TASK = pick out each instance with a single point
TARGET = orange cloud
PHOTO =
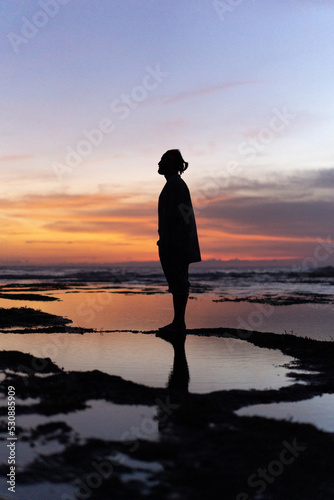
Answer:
(11, 158)
(113, 227)
(102, 227)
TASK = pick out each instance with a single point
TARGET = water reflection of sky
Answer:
(102, 310)
(318, 410)
(104, 420)
(101, 420)
(214, 363)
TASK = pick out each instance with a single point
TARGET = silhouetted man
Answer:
(178, 241)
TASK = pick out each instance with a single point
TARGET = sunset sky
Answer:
(93, 92)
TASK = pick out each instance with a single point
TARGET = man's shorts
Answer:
(176, 273)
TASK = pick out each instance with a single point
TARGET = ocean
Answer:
(249, 283)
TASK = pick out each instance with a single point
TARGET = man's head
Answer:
(172, 163)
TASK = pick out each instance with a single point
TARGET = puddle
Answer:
(223, 363)
(214, 363)
(104, 420)
(141, 470)
(50, 491)
(20, 402)
(25, 453)
(101, 309)
(318, 411)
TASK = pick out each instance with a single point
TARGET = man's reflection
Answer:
(178, 381)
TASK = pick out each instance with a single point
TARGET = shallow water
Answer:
(318, 411)
(101, 420)
(101, 309)
(214, 363)
(104, 420)
(49, 491)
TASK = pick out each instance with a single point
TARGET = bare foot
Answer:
(173, 328)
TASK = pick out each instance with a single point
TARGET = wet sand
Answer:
(193, 446)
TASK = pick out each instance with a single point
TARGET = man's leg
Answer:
(176, 273)
(180, 304)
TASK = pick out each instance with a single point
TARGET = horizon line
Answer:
(275, 262)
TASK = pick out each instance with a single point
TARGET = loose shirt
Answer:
(177, 226)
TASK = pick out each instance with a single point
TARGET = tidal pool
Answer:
(318, 410)
(214, 363)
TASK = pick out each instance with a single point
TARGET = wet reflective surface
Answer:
(102, 309)
(202, 365)
(318, 410)
(214, 363)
